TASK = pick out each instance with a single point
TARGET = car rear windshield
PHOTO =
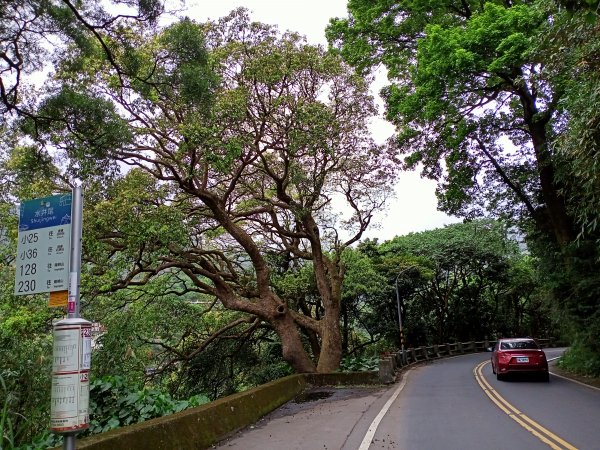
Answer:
(518, 345)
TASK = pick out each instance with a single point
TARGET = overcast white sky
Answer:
(414, 205)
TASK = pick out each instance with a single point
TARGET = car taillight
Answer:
(503, 357)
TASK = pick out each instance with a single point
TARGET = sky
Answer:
(413, 207)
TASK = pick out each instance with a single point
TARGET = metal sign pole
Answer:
(76, 234)
(69, 439)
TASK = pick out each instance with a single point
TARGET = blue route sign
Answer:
(44, 247)
(45, 212)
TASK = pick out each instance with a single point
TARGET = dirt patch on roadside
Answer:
(316, 396)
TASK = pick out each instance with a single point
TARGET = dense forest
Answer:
(230, 175)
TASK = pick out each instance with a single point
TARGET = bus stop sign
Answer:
(44, 247)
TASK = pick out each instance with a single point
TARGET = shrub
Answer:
(359, 364)
(581, 360)
(114, 404)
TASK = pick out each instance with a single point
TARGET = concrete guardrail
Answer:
(205, 425)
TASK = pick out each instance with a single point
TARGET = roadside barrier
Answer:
(389, 363)
(205, 425)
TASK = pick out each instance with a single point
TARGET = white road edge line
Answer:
(575, 381)
(366, 442)
(571, 379)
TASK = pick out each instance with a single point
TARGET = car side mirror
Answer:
(489, 349)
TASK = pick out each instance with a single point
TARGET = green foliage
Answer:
(150, 9)
(33, 172)
(268, 367)
(581, 360)
(83, 28)
(228, 366)
(190, 72)
(367, 311)
(498, 102)
(450, 95)
(6, 427)
(362, 278)
(115, 403)
(42, 441)
(472, 103)
(463, 282)
(470, 283)
(25, 349)
(359, 363)
(574, 289)
(85, 127)
(493, 41)
(230, 127)
(570, 49)
(141, 220)
(146, 329)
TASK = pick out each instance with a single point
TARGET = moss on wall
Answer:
(201, 427)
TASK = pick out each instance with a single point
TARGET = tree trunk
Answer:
(311, 334)
(293, 351)
(556, 208)
(557, 218)
(331, 342)
(328, 276)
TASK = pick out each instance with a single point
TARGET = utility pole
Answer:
(401, 328)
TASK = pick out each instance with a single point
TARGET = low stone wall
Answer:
(201, 427)
(342, 378)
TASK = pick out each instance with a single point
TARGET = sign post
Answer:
(49, 260)
(80, 379)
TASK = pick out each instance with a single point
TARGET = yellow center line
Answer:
(545, 435)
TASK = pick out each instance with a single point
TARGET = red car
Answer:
(519, 356)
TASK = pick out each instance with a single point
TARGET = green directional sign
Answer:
(44, 246)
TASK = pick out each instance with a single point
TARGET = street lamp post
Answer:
(400, 313)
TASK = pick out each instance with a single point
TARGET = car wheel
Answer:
(546, 377)
(493, 369)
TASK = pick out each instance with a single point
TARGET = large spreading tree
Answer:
(242, 143)
(496, 101)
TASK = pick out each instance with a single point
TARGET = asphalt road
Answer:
(453, 403)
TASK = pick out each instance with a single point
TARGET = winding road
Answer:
(450, 404)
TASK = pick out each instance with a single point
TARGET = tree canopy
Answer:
(32, 31)
(240, 140)
(497, 101)
(472, 101)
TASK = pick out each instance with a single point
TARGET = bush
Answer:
(359, 364)
(114, 404)
(581, 360)
(25, 370)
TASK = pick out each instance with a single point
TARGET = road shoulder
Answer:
(589, 381)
